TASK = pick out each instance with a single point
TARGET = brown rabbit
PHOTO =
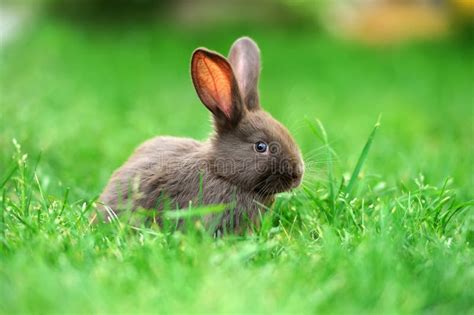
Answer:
(248, 159)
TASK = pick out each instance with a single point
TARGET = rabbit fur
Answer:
(225, 169)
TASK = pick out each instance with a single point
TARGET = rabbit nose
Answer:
(297, 173)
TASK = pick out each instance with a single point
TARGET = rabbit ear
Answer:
(244, 56)
(216, 86)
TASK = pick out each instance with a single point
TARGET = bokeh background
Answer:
(82, 83)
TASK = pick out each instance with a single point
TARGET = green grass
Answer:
(385, 230)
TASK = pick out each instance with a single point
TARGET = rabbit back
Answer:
(128, 186)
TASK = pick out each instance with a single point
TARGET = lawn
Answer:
(396, 238)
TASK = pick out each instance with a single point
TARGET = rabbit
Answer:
(248, 159)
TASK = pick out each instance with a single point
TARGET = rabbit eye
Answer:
(261, 147)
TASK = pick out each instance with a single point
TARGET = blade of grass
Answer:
(9, 175)
(329, 163)
(44, 201)
(3, 230)
(195, 212)
(314, 199)
(347, 190)
(313, 129)
(465, 205)
(66, 194)
(320, 132)
(85, 208)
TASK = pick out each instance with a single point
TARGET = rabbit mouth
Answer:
(296, 183)
(277, 183)
(288, 182)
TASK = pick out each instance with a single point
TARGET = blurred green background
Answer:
(84, 83)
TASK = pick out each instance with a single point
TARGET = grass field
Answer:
(397, 238)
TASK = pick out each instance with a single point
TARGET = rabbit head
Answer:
(249, 147)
